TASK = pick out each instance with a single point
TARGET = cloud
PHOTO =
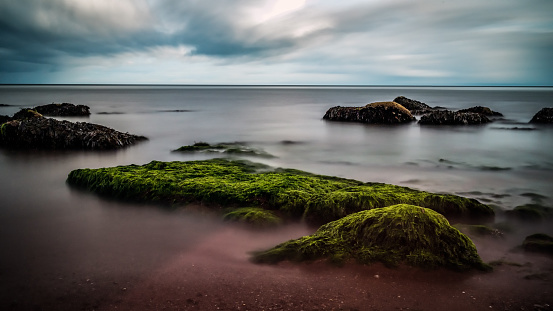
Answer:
(351, 41)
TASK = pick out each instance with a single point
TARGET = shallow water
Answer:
(50, 230)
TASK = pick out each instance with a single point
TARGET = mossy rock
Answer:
(539, 242)
(398, 234)
(479, 231)
(297, 194)
(254, 216)
(531, 212)
(232, 148)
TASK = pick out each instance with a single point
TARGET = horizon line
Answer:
(268, 85)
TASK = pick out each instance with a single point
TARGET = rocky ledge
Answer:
(414, 106)
(375, 113)
(63, 110)
(446, 117)
(545, 115)
(37, 132)
(482, 110)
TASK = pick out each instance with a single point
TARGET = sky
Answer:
(289, 42)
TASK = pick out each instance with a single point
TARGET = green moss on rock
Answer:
(531, 212)
(254, 216)
(479, 231)
(539, 242)
(233, 148)
(298, 194)
(393, 235)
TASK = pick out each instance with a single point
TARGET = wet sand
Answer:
(216, 275)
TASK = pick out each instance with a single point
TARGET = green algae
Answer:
(254, 216)
(295, 193)
(398, 234)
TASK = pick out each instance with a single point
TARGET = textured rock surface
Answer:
(47, 133)
(482, 110)
(453, 118)
(376, 113)
(65, 109)
(414, 106)
(545, 115)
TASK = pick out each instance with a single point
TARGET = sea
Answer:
(53, 233)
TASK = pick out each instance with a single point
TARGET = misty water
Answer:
(54, 233)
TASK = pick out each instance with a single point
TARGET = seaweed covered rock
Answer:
(545, 115)
(26, 114)
(65, 110)
(296, 194)
(479, 231)
(482, 110)
(530, 212)
(414, 106)
(446, 117)
(4, 119)
(375, 113)
(254, 216)
(45, 133)
(539, 242)
(399, 234)
(233, 148)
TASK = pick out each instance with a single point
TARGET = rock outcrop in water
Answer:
(64, 110)
(392, 235)
(414, 106)
(32, 131)
(539, 242)
(446, 117)
(375, 113)
(545, 115)
(483, 111)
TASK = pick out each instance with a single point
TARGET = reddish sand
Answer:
(217, 275)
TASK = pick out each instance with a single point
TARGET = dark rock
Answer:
(445, 117)
(482, 110)
(378, 113)
(545, 115)
(4, 119)
(414, 106)
(530, 212)
(65, 110)
(26, 113)
(47, 133)
(539, 242)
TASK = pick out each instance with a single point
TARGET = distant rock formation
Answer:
(446, 117)
(376, 113)
(482, 110)
(64, 110)
(414, 106)
(545, 115)
(37, 132)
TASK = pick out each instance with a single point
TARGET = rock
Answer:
(26, 113)
(539, 242)
(253, 216)
(482, 110)
(414, 106)
(4, 119)
(46, 133)
(293, 193)
(444, 117)
(232, 148)
(545, 115)
(392, 235)
(65, 110)
(530, 212)
(376, 113)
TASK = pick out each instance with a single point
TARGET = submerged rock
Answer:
(444, 117)
(414, 106)
(530, 212)
(539, 242)
(254, 216)
(65, 110)
(295, 194)
(37, 132)
(393, 235)
(482, 110)
(376, 113)
(234, 148)
(545, 115)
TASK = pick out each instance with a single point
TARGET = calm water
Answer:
(49, 230)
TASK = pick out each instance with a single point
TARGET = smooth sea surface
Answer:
(50, 231)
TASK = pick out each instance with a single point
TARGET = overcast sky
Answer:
(370, 42)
